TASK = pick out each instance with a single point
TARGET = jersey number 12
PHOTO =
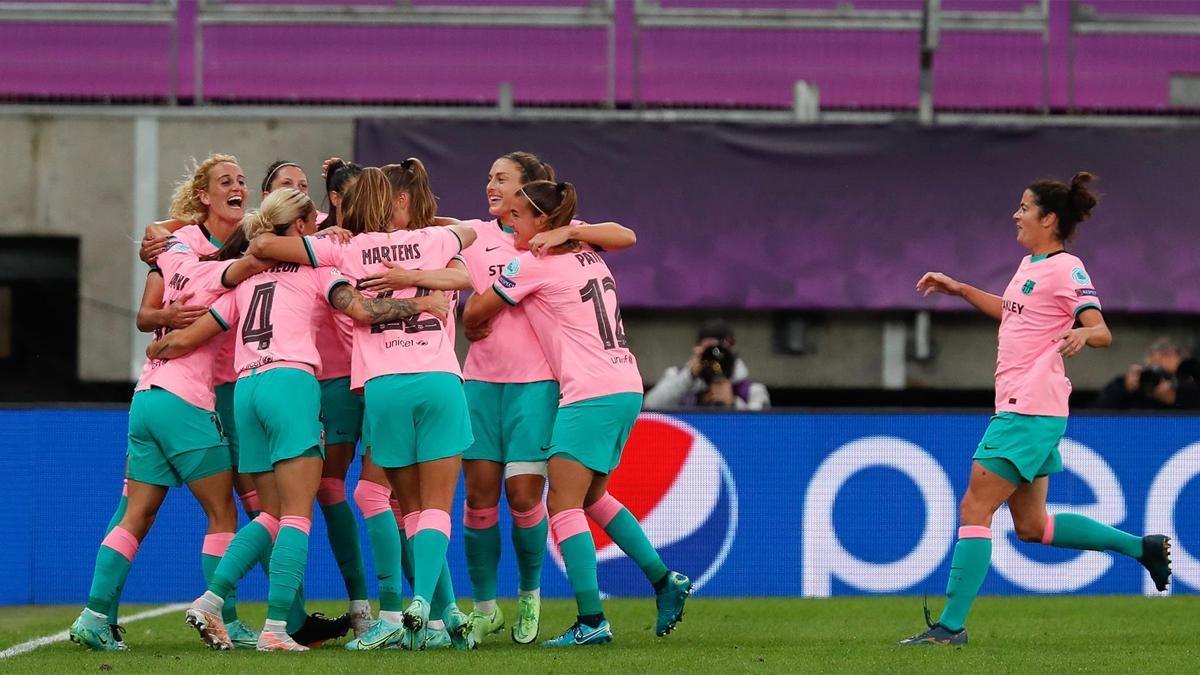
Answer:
(593, 292)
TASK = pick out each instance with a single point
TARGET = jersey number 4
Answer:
(593, 292)
(257, 325)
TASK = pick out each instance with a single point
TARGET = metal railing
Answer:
(929, 22)
(153, 13)
(598, 14)
(1085, 20)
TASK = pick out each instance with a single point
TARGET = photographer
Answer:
(713, 377)
(1166, 380)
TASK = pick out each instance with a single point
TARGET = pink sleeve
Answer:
(1076, 292)
(448, 243)
(224, 310)
(330, 279)
(323, 251)
(522, 276)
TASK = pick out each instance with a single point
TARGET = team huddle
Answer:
(286, 336)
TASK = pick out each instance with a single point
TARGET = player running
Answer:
(416, 413)
(1049, 311)
(569, 297)
(175, 438)
(277, 403)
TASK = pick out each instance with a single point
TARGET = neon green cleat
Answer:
(460, 628)
(529, 620)
(241, 636)
(483, 625)
(381, 635)
(91, 630)
(435, 638)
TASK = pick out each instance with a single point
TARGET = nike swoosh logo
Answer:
(580, 639)
(489, 250)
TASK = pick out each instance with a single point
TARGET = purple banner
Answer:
(814, 218)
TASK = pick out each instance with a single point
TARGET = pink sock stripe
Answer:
(125, 488)
(480, 519)
(567, 524)
(122, 542)
(530, 518)
(216, 543)
(604, 510)
(296, 523)
(331, 491)
(974, 532)
(270, 522)
(412, 523)
(250, 501)
(372, 498)
(434, 519)
(1048, 530)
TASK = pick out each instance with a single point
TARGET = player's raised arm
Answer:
(936, 282)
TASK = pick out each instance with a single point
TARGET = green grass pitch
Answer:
(853, 635)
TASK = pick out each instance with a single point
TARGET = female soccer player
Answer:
(1049, 311)
(277, 403)
(513, 398)
(206, 208)
(570, 300)
(415, 409)
(175, 438)
(206, 211)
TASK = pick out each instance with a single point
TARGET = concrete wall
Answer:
(75, 175)
(83, 173)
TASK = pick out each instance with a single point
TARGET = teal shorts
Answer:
(593, 431)
(278, 417)
(341, 411)
(224, 394)
(171, 441)
(512, 422)
(1021, 448)
(417, 417)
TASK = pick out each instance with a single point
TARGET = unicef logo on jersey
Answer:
(512, 268)
(1080, 277)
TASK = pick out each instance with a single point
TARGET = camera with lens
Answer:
(716, 363)
(1151, 377)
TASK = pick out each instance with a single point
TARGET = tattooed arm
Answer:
(381, 310)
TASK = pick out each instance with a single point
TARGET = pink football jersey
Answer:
(335, 342)
(417, 344)
(202, 242)
(1041, 301)
(189, 377)
(571, 302)
(510, 353)
(274, 316)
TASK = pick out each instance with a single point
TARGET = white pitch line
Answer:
(33, 644)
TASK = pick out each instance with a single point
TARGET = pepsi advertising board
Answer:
(784, 504)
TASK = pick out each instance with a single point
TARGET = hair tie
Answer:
(560, 186)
